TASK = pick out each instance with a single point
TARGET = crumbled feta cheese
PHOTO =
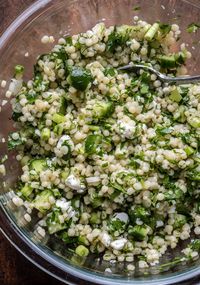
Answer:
(122, 217)
(108, 270)
(105, 239)
(68, 140)
(126, 129)
(93, 180)
(118, 244)
(75, 184)
(63, 204)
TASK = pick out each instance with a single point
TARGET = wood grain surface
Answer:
(14, 268)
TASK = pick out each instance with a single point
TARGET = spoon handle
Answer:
(161, 76)
(182, 79)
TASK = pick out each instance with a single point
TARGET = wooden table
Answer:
(14, 268)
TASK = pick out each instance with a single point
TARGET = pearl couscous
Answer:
(110, 159)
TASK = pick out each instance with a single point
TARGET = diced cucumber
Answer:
(179, 114)
(167, 61)
(144, 89)
(194, 122)
(82, 251)
(65, 174)
(45, 134)
(38, 165)
(189, 150)
(151, 32)
(175, 95)
(94, 128)
(41, 202)
(91, 143)
(95, 219)
(58, 118)
(83, 240)
(58, 129)
(26, 190)
(102, 109)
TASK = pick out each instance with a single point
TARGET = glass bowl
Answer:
(62, 17)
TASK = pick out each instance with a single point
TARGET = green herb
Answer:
(164, 28)
(180, 220)
(63, 105)
(39, 83)
(68, 40)
(145, 77)
(80, 78)
(195, 245)
(173, 263)
(54, 224)
(139, 212)
(193, 175)
(118, 38)
(19, 69)
(96, 201)
(16, 116)
(116, 225)
(174, 194)
(164, 131)
(193, 28)
(110, 71)
(92, 143)
(144, 89)
(136, 8)
(138, 232)
(31, 96)
(12, 143)
(65, 238)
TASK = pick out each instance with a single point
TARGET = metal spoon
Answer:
(161, 76)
